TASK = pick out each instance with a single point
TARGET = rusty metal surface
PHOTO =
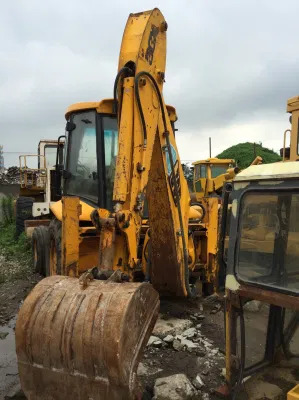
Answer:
(29, 223)
(83, 344)
(71, 210)
(269, 296)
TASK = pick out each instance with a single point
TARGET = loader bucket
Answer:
(75, 343)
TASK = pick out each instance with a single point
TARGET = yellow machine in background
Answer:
(291, 153)
(209, 177)
(211, 174)
(36, 183)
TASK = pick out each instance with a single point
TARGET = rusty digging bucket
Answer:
(83, 344)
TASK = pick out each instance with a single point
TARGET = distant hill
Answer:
(244, 154)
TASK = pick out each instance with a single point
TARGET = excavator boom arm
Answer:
(148, 160)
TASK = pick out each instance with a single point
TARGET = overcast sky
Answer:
(231, 66)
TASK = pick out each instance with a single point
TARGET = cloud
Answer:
(231, 66)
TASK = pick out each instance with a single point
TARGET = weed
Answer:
(7, 209)
(15, 254)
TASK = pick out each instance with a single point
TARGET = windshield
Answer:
(82, 157)
(269, 237)
(110, 147)
(50, 154)
(91, 158)
(217, 170)
(200, 171)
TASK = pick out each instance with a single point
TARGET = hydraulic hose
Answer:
(126, 71)
(176, 188)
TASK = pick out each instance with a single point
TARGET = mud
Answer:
(8, 359)
(12, 294)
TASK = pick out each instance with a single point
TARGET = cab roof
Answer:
(106, 107)
(293, 104)
(215, 161)
(278, 170)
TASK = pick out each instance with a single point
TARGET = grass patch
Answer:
(15, 254)
(7, 209)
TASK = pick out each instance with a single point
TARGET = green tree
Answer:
(245, 153)
(188, 173)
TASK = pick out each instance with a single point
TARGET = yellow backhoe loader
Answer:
(83, 338)
(211, 174)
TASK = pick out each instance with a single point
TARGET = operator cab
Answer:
(90, 159)
(262, 265)
(91, 151)
(264, 233)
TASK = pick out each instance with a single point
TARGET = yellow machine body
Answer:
(88, 334)
(210, 175)
(291, 153)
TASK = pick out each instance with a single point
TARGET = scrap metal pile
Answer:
(10, 176)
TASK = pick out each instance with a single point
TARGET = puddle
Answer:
(8, 358)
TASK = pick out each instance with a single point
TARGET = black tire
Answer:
(40, 246)
(53, 256)
(23, 212)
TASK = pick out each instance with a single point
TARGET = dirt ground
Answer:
(164, 361)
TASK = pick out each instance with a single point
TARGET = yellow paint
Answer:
(293, 108)
(205, 185)
(70, 236)
(294, 393)
(104, 106)
(56, 209)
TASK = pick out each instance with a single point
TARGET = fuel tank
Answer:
(75, 343)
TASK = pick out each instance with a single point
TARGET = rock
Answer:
(259, 389)
(3, 335)
(200, 317)
(142, 370)
(168, 339)
(179, 337)
(216, 309)
(189, 344)
(253, 306)
(205, 396)
(177, 345)
(213, 298)
(213, 352)
(189, 333)
(15, 393)
(198, 326)
(201, 352)
(198, 382)
(206, 343)
(157, 343)
(152, 339)
(174, 387)
(171, 326)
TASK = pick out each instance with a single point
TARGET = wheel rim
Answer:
(53, 258)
